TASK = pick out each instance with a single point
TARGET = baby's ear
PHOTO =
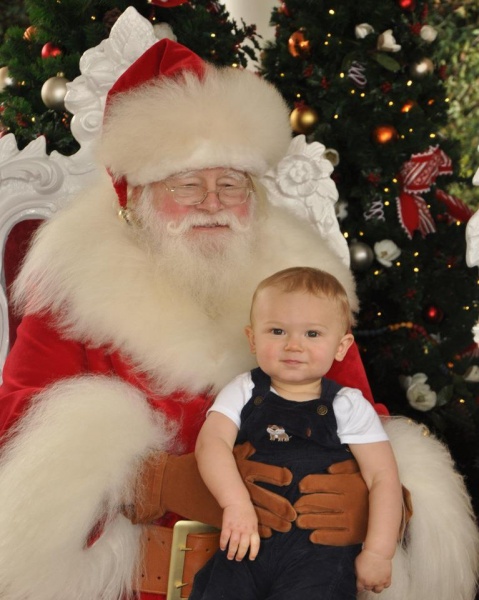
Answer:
(250, 335)
(344, 345)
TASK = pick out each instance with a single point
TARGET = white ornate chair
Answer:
(34, 185)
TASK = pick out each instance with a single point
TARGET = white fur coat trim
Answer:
(70, 463)
(87, 266)
(439, 559)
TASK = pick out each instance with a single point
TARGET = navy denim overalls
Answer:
(301, 436)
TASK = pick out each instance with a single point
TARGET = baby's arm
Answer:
(214, 454)
(379, 470)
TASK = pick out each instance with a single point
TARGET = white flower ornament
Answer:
(301, 182)
(428, 33)
(363, 30)
(387, 42)
(419, 393)
(386, 251)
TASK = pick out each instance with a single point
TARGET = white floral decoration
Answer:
(332, 155)
(100, 67)
(428, 33)
(475, 333)
(472, 373)
(475, 178)
(419, 393)
(305, 169)
(301, 182)
(472, 236)
(362, 30)
(386, 251)
(387, 42)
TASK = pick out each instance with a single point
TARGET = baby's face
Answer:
(296, 336)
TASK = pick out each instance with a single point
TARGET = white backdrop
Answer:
(255, 12)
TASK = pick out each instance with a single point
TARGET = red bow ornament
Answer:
(417, 175)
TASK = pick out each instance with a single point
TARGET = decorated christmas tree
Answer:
(36, 62)
(363, 79)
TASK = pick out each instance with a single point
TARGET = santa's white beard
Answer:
(205, 264)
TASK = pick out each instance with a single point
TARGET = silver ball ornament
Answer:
(54, 91)
(361, 255)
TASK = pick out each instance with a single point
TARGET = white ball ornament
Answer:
(54, 91)
(422, 68)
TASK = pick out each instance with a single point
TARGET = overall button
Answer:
(258, 400)
(322, 410)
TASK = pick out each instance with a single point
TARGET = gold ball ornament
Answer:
(384, 134)
(54, 91)
(303, 119)
(421, 68)
(298, 45)
(30, 33)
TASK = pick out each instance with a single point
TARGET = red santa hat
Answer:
(171, 112)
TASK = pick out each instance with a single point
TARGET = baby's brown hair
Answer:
(313, 281)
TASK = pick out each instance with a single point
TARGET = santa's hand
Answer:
(334, 505)
(274, 512)
(167, 483)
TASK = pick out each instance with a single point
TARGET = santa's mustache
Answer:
(200, 220)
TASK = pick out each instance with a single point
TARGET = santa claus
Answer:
(130, 327)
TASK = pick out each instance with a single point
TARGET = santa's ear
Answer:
(250, 335)
(134, 194)
(344, 345)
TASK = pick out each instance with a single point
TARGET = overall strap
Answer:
(261, 381)
(329, 389)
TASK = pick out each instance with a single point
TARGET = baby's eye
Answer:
(312, 334)
(277, 331)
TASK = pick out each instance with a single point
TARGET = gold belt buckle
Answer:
(181, 530)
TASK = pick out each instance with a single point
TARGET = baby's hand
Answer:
(240, 531)
(373, 572)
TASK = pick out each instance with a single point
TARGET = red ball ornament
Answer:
(433, 314)
(49, 50)
(407, 4)
(384, 134)
(298, 45)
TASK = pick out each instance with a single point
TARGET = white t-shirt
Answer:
(358, 422)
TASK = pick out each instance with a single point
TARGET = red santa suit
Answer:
(114, 359)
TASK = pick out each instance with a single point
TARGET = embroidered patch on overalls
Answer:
(277, 434)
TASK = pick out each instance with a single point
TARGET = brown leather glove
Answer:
(168, 483)
(274, 512)
(334, 505)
